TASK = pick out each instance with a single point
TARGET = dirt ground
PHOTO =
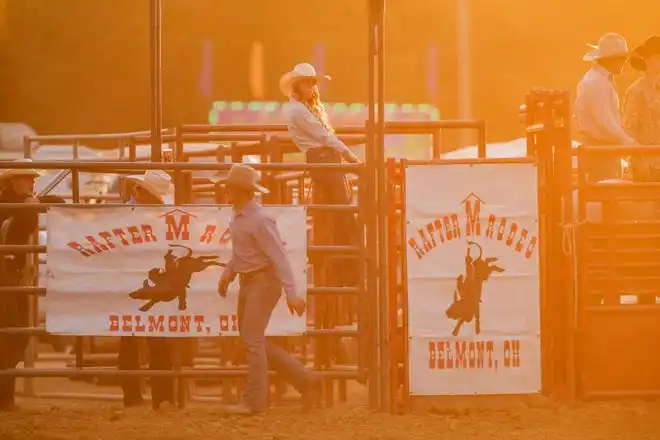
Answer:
(533, 419)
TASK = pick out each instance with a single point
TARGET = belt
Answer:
(247, 276)
(323, 153)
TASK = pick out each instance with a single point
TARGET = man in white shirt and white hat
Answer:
(597, 107)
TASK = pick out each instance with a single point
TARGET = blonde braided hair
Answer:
(316, 107)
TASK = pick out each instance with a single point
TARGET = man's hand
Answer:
(350, 157)
(296, 305)
(223, 286)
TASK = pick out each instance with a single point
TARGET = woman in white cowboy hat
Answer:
(641, 108)
(16, 227)
(307, 119)
(597, 112)
(307, 122)
(154, 187)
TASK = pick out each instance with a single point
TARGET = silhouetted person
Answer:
(641, 108)
(17, 228)
(152, 188)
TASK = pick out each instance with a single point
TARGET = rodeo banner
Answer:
(473, 279)
(154, 271)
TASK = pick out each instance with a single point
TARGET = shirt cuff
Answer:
(228, 274)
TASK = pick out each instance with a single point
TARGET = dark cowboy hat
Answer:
(649, 48)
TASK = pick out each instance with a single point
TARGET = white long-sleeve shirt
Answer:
(597, 111)
(307, 131)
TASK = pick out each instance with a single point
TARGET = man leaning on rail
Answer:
(262, 266)
(597, 111)
(16, 228)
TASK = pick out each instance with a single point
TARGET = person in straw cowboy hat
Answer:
(151, 188)
(310, 129)
(597, 112)
(641, 108)
(17, 228)
(260, 262)
(154, 187)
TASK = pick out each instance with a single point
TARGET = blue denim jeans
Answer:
(257, 298)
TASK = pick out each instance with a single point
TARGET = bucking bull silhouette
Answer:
(467, 296)
(173, 282)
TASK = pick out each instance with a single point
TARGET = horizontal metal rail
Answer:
(43, 207)
(221, 137)
(333, 333)
(184, 373)
(620, 150)
(391, 127)
(41, 291)
(89, 137)
(174, 166)
(37, 249)
(480, 160)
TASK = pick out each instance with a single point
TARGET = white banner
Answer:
(105, 266)
(473, 279)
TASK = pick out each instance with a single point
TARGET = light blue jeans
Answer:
(257, 298)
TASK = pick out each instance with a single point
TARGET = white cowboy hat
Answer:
(303, 70)
(610, 45)
(14, 172)
(157, 182)
(243, 177)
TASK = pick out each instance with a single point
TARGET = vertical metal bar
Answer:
(464, 70)
(394, 245)
(371, 301)
(122, 151)
(436, 144)
(582, 282)
(32, 351)
(27, 147)
(566, 168)
(363, 303)
(404, 286)
(155, 17)
(382, 213)
(75, 195)
(481, 139)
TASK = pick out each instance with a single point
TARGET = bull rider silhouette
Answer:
(466, 305)
(172, 282)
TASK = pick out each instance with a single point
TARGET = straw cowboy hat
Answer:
(157, 182)
(645, 51)
(301, 71)
(242, 176)
(15, 172)
(610, 45)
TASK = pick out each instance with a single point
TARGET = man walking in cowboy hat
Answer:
(17, 228)
(151, 188)
(597, 112)
(310, 129)
(261, 264)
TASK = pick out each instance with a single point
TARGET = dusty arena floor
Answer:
(520, 420)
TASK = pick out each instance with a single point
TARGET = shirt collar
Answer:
(602, 71)
(247, 209)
